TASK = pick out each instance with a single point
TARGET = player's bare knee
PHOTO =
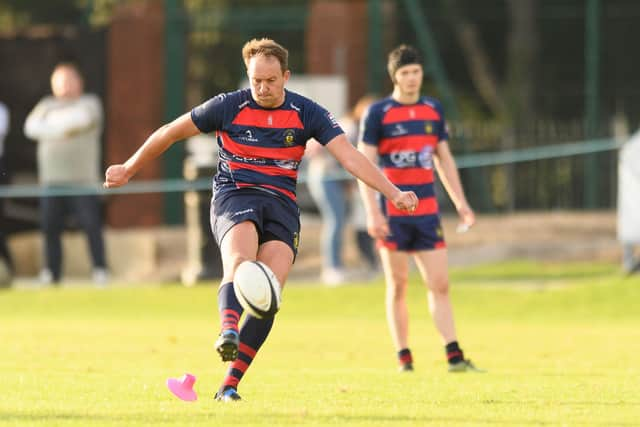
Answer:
(232, 261)
(396, 290)
(439, 288)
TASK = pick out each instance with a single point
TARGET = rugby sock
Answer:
(253, 334)
(454, 353)
(404, 357)
(229, 307)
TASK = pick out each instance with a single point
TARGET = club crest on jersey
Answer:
(289, 137)
(428, 128)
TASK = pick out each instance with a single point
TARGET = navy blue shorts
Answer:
(419, 235)
(274, 218)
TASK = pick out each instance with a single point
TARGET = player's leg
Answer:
(396, 272)
(433, 267)
(239, 244)
(254, 332)
(52, 211)
(330, 199)
(87, 210)
(278, 240)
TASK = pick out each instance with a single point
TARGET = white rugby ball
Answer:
(257, 289)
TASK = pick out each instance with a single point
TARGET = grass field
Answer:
(561, 343)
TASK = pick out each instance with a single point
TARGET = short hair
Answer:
(401, 56)
(69, 65)
(266, 47)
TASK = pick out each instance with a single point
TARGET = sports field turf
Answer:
(561, 343)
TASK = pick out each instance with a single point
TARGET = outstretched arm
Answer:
(448, 173)
(362, 168)
(157, 143)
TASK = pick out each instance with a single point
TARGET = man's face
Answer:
(267, 80)
(409, 79)
(66, 83)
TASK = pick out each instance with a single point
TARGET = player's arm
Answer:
(377, 224)
(450, 178)
(362, 168)
(157, 143)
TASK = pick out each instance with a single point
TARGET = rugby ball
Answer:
(257, 289)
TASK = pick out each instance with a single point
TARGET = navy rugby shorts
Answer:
(274, 218)
(417, 234)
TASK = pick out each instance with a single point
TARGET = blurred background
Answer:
(540, 95)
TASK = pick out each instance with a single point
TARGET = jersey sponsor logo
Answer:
(248, 136)
(399, 130)
(287, 164)
(246, 211)
(403, 159)
(289, 137)
(332, 120)
(425, 157)
(270, 170)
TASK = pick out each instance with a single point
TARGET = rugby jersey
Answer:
(406, 136)
(261, 147)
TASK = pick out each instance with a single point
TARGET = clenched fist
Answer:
(406, 201)
(116, 176)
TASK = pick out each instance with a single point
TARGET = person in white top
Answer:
(67, 127)
(6, 268)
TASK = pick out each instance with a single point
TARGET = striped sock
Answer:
(454, 352)
(229, 307)
(404, 357)
(253, 334)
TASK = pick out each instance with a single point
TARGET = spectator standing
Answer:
(334, 193)
(329, 192)
(67, 127)
(5, 255)
(351, 125)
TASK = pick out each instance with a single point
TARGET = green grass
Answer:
(561, 343)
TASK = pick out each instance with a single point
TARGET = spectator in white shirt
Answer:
(67, 127)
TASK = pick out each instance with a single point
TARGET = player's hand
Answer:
(377, 226)
(467, 217)
(116, 176)
(405, 201)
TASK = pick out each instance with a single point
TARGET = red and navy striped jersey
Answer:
(406, 136)
(260, 147)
